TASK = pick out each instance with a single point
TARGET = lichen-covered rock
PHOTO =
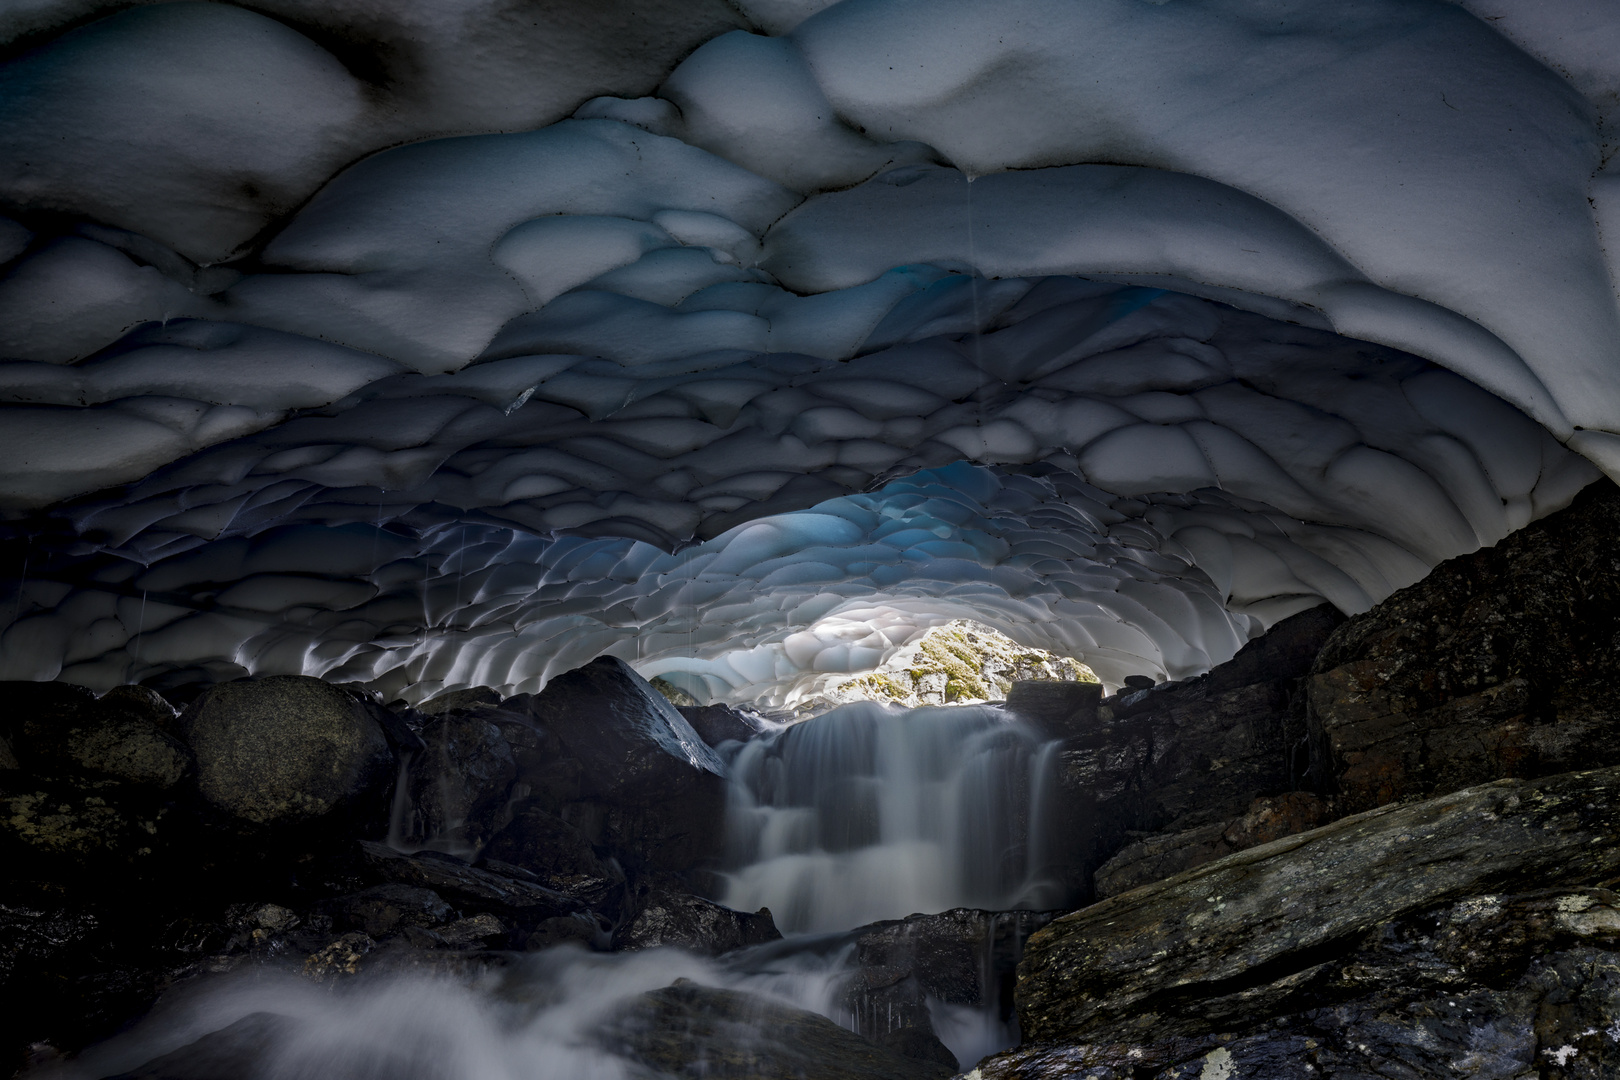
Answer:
(285, 748)
(87, 824)
(56, 728)
(667, 915)
(957, 663)
(687, 1030)
(1505, 662)
(1231, 941)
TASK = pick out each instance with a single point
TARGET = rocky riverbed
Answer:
(1375, 846)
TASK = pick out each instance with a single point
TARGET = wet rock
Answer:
(1160, 855)
(666, 915)
(716, 724)
(1140, 682)
(480, 929)
(556, 852)
(8, 760)
(461, 780)
(285, 748)
(1505, 662)
(1233, 941)
(687, 1030)
(1185, 760)
(465, 884)
(1491, 985)
(920, 1044)
(233, 1053)
(388, 908)
(1056, 709)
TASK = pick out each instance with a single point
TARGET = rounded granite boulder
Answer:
(284, 748)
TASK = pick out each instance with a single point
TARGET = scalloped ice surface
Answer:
(430, 348)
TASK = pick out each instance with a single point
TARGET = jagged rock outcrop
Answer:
(716, 724)
(1501, 663)
(1184, 762)
(1253, 936)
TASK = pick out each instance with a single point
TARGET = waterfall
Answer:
(872, 812)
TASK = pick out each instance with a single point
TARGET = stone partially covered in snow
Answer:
(285, 748)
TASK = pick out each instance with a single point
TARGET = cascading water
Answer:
(869, 812)
(865, 813)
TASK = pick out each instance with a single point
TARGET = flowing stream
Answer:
(865, 813)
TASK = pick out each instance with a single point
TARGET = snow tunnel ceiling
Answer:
(426, 345)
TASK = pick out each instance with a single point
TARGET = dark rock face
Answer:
(232, 1053)
(452, 877)
(1187, 758)
(459, 782)
(54, 727)
(611, 756)
(1234, 940)
(285, 749)
(1161, 855)
(1056, 709)
(385, 908)
(1501, 663)
(961, 957)
(672, 916)
(687, 1030)
(716, 724)
(556, 852)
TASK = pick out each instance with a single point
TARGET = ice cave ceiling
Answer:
(426, 345)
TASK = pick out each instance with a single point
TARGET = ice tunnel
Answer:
(430, 346)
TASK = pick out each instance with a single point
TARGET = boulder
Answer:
(142, 701)
(285, 748)
(687, 1030)
(613, 758)
(553, 850)
(1505, 662)
(633, 744)
(1232, 942)
(667, 915)
(460, 782)
(716, 724)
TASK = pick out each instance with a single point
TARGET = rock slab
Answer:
(1227, 942)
